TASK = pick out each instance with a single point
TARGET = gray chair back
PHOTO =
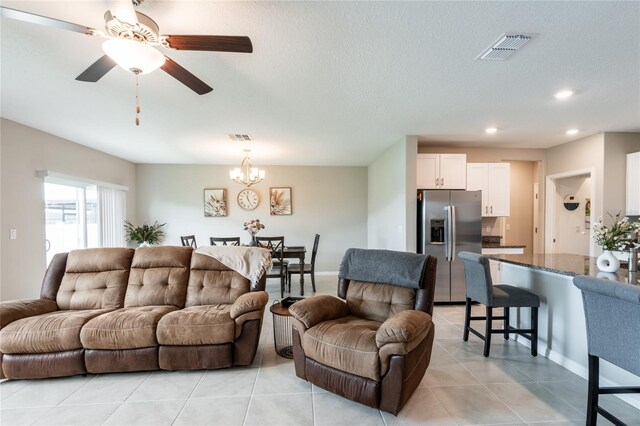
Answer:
(477, 276)
(612, 314)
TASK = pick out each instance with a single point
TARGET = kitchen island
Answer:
(561, 324)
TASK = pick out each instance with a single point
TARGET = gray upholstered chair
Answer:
(480, 289)
(371, 344)
(612, 313)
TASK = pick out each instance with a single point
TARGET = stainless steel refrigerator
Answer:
(449, 222)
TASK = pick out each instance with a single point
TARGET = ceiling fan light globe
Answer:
(133, 56)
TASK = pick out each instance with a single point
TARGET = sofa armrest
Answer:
(14, 310)
(248, 302)
(316, 309)
(403, 327)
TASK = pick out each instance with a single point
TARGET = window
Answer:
(82, 214)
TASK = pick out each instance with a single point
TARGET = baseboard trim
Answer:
(574, 367)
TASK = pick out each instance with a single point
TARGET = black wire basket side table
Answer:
(282, 339)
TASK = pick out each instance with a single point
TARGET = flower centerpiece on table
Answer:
(253, 226)
(144, 235)
(618, 236)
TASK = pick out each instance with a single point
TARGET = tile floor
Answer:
(460, 387)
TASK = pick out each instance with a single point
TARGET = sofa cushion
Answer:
(128, 328)
(347, 344)
(53, 332)
(197, 325)
(95, 279)
(211, 283)
(378, 302)
(159, 276)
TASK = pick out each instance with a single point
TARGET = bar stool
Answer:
(612, 314)
(480, 289)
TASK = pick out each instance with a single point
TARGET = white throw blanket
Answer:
(250, 262)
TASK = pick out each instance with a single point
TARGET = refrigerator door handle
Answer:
(452, 212)
(449, 239)
(446, 233)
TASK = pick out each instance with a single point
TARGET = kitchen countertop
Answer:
(498, 245)
(566, 264)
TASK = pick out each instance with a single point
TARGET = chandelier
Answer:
(245, 174)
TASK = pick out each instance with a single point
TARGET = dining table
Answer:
(296, 252)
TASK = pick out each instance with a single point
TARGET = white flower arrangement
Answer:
(253, 226)
(621, 235)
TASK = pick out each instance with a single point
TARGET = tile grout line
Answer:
(443, 407)
(74, 392)
(125, 400)
(253, 388)
(188, 398)
(504, 403)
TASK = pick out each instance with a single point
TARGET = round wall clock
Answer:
(248, 199)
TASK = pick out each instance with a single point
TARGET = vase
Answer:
(144, 244)
(253, 242)
(633, 260)
(607, 262)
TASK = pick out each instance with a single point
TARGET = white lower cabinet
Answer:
(496, 271)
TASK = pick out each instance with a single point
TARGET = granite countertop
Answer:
(498, 245)
(566, 264)
(493, 241)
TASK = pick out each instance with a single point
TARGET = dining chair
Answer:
(224, 241)
(279, 269)
(480, 288)
(308, 268)
(189, 241)
(612, 315)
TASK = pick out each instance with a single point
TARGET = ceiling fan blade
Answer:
(123, 10)
(97, 70)
(172, 68)
(44, 20)
(241, 44)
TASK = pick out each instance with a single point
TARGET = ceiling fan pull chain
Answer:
(137, 101)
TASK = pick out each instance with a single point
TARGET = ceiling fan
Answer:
(130, 38)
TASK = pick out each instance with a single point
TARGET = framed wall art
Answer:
(215, 202)
(280, 201)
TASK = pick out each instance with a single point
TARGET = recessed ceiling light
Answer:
(564, 94)
(571, 132)
(490, 130)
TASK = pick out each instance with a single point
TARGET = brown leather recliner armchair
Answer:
(373, 343)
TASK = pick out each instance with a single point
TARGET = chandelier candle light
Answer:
(246, 174)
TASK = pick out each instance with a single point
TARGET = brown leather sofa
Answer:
(119, 309)
(372, 344)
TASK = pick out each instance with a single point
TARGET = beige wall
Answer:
(390, 223)
(485, 155)
(330, 201)
(23, 151)
(519, 224)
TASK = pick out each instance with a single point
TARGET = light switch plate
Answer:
(13, 234)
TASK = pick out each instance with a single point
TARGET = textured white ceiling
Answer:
(332, 83)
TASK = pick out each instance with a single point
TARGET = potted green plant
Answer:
(144, 235)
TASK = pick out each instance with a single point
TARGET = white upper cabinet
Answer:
(493, 180)
(442, 171)
(633, 184)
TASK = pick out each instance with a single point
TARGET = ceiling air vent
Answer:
(504, 47)
(237, 137)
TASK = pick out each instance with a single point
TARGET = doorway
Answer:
(569, 202)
